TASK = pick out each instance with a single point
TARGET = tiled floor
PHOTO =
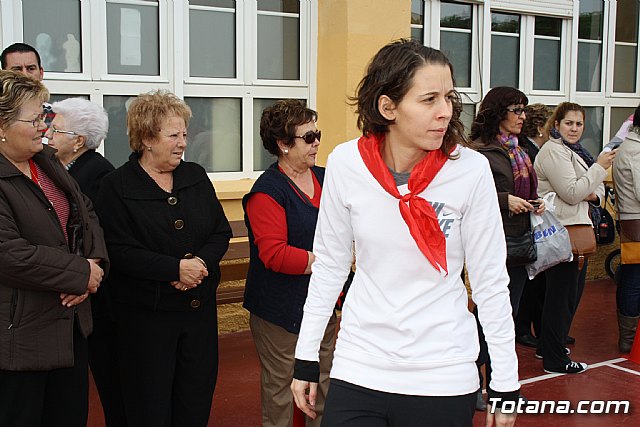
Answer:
(610, 377)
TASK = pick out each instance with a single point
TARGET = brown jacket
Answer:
(37, 264)
(514, 225)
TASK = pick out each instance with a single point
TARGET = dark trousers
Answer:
(560, 303)
(530, 311)
(168, 365)
(103, 360)
(582, 279)
(628, 293)
(349, 405)
(55, 398)
(517, 279)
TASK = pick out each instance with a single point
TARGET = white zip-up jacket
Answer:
(405, 327)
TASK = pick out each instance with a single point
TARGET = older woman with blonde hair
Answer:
(167, 233)
(51, 249)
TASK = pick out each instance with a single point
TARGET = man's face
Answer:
(25, 63)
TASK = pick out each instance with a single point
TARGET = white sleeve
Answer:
(332, 248)
(485, 258)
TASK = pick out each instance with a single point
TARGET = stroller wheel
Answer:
(612, 262)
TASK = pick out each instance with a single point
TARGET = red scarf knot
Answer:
(417, 213)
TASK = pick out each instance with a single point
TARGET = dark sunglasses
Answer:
(311, 136)
(517, 110)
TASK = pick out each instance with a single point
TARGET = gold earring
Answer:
(3, 139)
(148, 148)
(75, 150)
(286, 151)
(540, 134)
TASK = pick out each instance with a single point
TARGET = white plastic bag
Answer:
(551, 239)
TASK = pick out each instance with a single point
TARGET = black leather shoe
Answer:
(570, 340)
(527, 340)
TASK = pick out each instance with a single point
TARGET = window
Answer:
(456, 23)
(133, 37)
(278, 32)
(546, 53)
(590, 45)
(505, 50)
(626, 47)
(593, 124)
(212, 38)
(215, 134)
(53, 28)
(417, 20)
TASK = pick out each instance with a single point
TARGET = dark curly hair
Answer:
(493, 110)
(391, 73)
(279, 122)
(537, 116)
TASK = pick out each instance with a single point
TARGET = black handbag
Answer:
(521, 250)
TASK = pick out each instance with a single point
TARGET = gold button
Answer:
(172, 200)
(188, 255)
(178, 224)
(195, 303)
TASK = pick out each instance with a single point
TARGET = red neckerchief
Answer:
(416, 211)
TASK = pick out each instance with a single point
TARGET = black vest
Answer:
(276, 297)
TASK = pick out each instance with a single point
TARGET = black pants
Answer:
(55, 398)
(169, 365)
(103, 360)
(530, 311)
(349, 405)
(560, 303)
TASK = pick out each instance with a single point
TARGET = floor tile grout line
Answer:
(593, 366)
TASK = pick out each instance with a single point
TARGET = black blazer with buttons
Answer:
(148, 231)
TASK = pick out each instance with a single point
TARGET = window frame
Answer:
(611, 47)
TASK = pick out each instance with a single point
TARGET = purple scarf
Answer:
(525, 181)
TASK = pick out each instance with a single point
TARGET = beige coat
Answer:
(626, 176)
(562, 171)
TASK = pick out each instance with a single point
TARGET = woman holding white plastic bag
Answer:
(561, 167)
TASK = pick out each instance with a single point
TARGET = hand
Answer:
(69, 300)
(310, 261)
(95, 276)
(305, 402)
(538, 206)
(192, 272)
(499, 419)
(605, 159)
(519, 206)
(593, 197)
(180, 286)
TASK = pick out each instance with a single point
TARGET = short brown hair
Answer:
(391, 73)
(15, 90)
(537, 116)
(561, 111)
(147, 112)
(279, 122)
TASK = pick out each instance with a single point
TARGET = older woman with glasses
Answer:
(51, 249)
(495, 133)
(281, 213)
(77, 130)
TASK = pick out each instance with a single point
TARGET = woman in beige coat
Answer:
(564, 167)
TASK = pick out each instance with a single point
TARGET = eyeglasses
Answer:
(35, 122)
(311, 136)
(516, 110)
(66, 132)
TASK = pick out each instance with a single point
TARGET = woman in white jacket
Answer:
(418, 206)
(563, 166)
